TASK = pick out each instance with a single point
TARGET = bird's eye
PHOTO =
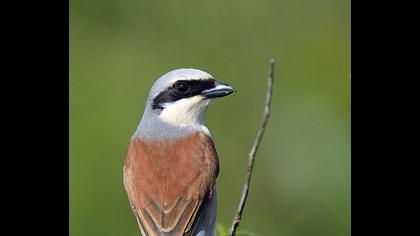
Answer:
(182, 86)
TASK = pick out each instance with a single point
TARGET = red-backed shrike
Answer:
(171, 165)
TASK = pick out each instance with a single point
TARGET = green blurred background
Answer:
(301, 183)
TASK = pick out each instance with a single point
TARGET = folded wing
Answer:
(168, 182)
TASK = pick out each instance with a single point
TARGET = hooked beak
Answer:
(220, 90)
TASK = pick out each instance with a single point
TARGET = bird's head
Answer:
(180, 97)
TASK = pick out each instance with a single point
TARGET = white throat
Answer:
(186, 112)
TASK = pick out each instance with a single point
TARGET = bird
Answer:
(171, 164)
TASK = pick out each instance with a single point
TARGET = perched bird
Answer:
(171, 164)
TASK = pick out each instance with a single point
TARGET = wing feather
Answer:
(168, 182)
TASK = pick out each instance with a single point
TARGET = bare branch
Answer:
(254, 149)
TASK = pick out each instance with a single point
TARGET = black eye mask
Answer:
(182, 89)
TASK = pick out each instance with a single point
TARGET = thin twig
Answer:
(251, 156)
